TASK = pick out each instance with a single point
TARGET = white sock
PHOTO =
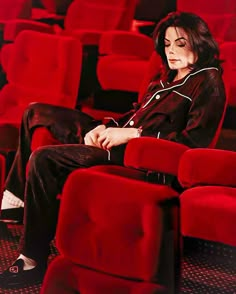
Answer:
(29, 263)
(9, 200)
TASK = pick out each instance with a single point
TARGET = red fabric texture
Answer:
(153, 68)
(207, 167)
(126, 55)
(57, 78)
(10, 9)
(65, 277)
(5, 53)
(14, 27)
(227, 50)
(126, 43)
(100, 114)
(221, 25)
(91, 18)
(54, 77)
(42, 137)
(208, 205)
(117, 230)
(127, 172)
(127, 72)
(154, 154)
(107, 14)
(209, 213)
(209, 7)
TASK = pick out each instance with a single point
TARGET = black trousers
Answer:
(48, 169)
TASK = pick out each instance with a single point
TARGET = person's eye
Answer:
(166, 44)
(181, 44)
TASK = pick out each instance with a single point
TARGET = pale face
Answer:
(178, 51)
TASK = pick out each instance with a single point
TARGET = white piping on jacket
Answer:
(183, 95)
(111, 118)
(177, 85)
(172, 87)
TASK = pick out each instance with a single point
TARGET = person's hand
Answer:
(111, 137)
(91, 138)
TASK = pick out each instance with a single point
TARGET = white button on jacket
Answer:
(131, 123)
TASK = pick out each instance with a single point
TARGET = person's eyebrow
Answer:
(180, 38)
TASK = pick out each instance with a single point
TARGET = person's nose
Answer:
(172, 48)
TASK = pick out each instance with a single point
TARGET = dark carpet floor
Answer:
(207, 268)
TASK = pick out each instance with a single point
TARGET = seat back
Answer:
(42, 68)
(209, 7)
(221, 26)
(121, 230)
(11, 9)
(227, 51)
(100, 15)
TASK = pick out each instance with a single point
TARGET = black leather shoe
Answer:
(12, 215)
(16, 277)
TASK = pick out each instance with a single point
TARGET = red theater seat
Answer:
(220, 16)
(221, 26)
(227, 50)
(51, 78)
(209, 7)
(14, 9)
(208, 204)
(84, 19)
(121, 239)
(130, 58)
(102, 243)
(145, 67)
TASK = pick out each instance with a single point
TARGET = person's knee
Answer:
(38, 159)
(30, 109)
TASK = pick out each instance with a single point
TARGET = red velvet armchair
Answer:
(51, 78)
(129, 56)
(84, 19)
(119, 239)
(208, 205)
(96, 253)
(14, 9)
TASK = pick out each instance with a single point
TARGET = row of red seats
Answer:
(139, 261)
(120, 239)
(134, 162)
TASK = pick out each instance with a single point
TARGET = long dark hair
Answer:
(201, 40)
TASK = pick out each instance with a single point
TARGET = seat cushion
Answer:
(64, 276)
(209, 213)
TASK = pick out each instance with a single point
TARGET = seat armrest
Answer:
(126, 43)
(207, 167)
(153, 154)
(14, 27)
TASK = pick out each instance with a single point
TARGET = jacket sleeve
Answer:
(204, 116)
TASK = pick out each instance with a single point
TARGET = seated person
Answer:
(184, 104)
